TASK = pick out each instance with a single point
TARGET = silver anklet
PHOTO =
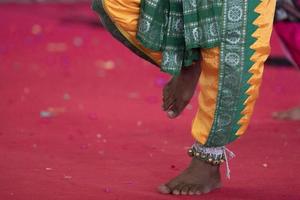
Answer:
(212, 155)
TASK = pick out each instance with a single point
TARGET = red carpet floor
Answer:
(81, 118)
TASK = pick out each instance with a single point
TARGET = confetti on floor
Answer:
(81, 118)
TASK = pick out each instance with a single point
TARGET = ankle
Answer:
(197, 163)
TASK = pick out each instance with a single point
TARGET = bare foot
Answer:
(199, 178)
(180, 89)
(292, 114)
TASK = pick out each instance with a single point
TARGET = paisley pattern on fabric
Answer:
(178, 28)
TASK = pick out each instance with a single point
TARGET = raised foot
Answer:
(180, 89)
(199, 178)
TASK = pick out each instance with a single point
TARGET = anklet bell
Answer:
(210, 155)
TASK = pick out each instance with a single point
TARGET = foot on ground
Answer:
(199, 178)
(180, 89)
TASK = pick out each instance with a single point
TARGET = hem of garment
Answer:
(118, 33)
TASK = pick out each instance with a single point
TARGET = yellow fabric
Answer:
(264, 22)
(208, 96)
(125, 15)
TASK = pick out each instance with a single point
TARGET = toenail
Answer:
(176, 192)
(183, 193)
(164, 189)
(171, 113)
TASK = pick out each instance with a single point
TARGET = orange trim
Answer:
(264, 22)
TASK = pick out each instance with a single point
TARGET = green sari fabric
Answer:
(231, 25)
(178, 28)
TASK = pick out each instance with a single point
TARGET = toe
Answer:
(193, 190)
(185, 189)
(177, 189)
(174, 184)
(164, 189)
(180, 107)
(171, 114)
(177, 107)
(173, 110)
(176, 192)
(199, 190)
(168, 102)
